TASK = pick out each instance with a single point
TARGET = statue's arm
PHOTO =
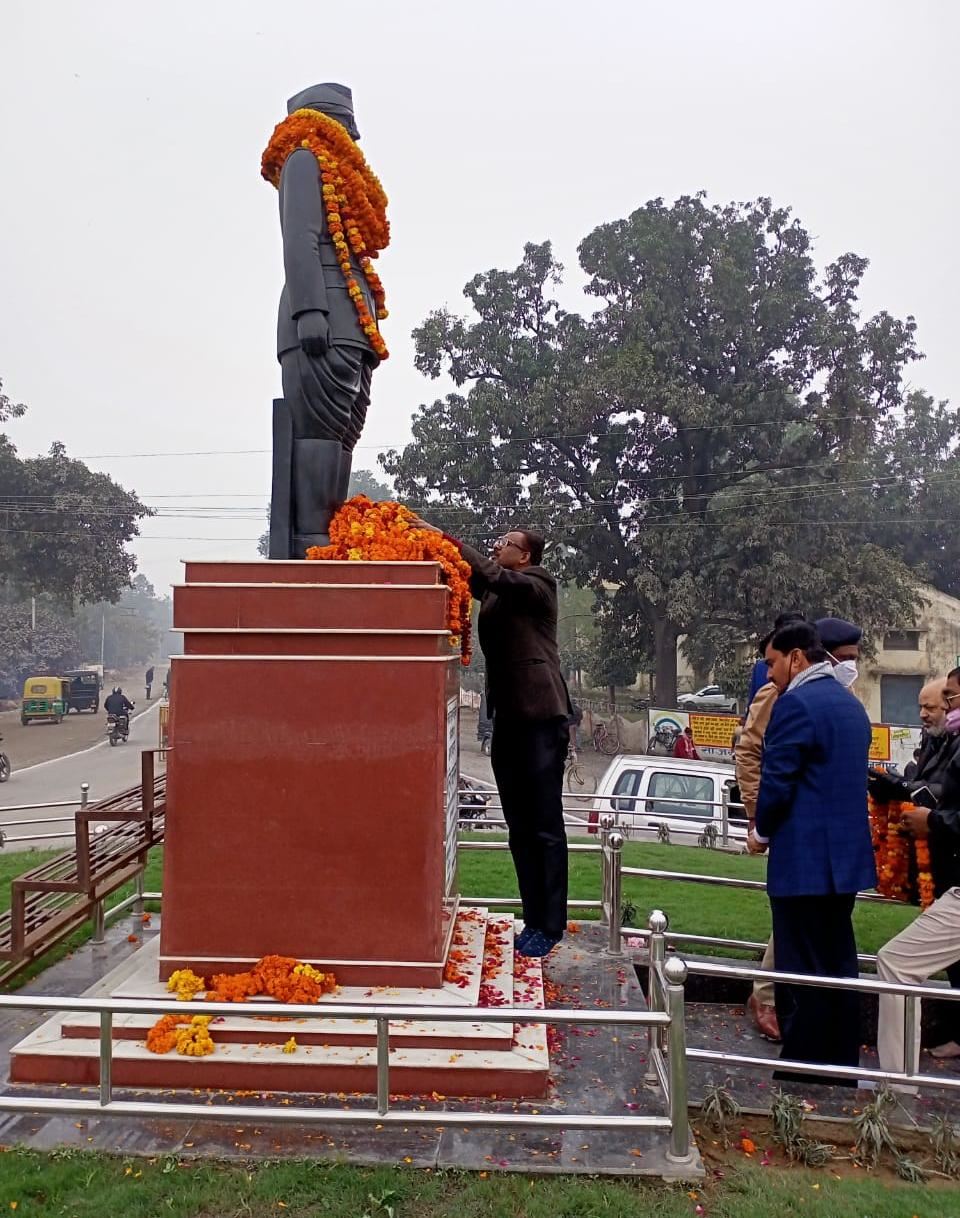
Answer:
(303, 223)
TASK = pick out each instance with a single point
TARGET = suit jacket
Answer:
(313, 276)
(812, 803)
(517, 629)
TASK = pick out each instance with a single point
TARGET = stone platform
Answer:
(508, 1058)
(592, 1070)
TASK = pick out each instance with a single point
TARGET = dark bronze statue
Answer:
(326, 358)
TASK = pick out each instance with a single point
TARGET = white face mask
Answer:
(845, 671)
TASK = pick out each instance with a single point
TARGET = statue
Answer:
(333, 221)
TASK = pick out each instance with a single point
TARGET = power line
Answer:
(499, 440)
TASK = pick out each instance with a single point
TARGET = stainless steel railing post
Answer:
(84, 794)
(911, 1021)
(106, 1057)
(383, 1065)
(725, 816)
(675, 974)
(138, 893)
(99, 932)
(656, 952)
(605, 822)
(615, 850)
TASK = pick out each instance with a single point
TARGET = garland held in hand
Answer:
(353, 199)
(387, 532)
(899, 876)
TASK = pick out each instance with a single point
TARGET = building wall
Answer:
(937, 630)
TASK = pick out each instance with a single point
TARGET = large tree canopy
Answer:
(63, 528)
(705, 449)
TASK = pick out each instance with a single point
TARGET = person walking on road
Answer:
(149, 681)
(528, 699)
(812, 814)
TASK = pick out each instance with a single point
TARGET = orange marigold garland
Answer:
(279, 977)
(354, 201)
(386, 532)
(903, 862)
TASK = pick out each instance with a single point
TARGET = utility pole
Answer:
(103, 635)
(33, 614)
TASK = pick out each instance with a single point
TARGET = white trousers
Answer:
(925, 947)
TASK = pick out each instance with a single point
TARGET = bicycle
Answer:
(604, 741)
(576, 780)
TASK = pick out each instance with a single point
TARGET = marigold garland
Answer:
(386, 532)
(353, 198)
(279, 977)
(903, 861)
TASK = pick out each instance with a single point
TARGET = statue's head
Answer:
(331, 99)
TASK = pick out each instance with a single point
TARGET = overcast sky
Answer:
(140, 253)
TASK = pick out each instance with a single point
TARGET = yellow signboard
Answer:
(880, 742)
(713, 731)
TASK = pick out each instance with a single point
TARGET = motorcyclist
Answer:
(117, 703)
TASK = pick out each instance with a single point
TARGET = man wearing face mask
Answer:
(812, 813)
(842, 643)
(939, 749)
(932, 942)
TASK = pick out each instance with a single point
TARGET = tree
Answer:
(703, 445)
(362, 482)
(63, 528)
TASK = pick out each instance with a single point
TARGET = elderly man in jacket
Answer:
(842, 642)
(932, 942)
(812, 813)
(528, 700)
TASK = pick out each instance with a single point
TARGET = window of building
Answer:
(898, 699)
(901, 640)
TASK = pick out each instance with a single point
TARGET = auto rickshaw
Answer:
(44, 698)
(84, 690)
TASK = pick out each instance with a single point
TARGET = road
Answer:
(106, 769)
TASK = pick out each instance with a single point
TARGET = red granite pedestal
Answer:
(312, 803)
(312, 778)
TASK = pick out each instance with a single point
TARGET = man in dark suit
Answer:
(527, 697)
(812, 813)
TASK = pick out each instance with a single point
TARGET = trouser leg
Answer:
(815, 935)
(527, 761)
(923, 948)
(763, 990)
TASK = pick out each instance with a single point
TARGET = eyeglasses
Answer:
(950, 697)
(502, 542)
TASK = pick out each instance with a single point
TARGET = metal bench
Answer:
(50, 901)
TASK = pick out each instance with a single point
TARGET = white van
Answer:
(644, 793)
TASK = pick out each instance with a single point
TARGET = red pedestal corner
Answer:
(313, 771)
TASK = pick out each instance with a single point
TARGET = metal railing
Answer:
(580, 804)
(76, 805)
(669, 1021)
(664, 1020)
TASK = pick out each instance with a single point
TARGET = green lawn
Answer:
(87, 1185)
(729, 913)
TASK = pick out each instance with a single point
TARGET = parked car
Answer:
(644, 793)
(710, 698)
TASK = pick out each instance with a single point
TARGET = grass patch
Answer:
(729, 913)
(84, 1184)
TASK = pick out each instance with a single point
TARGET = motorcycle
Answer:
(473, 800)
(118, 728)
(5, 766)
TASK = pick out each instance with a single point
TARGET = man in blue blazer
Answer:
(812, 813)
